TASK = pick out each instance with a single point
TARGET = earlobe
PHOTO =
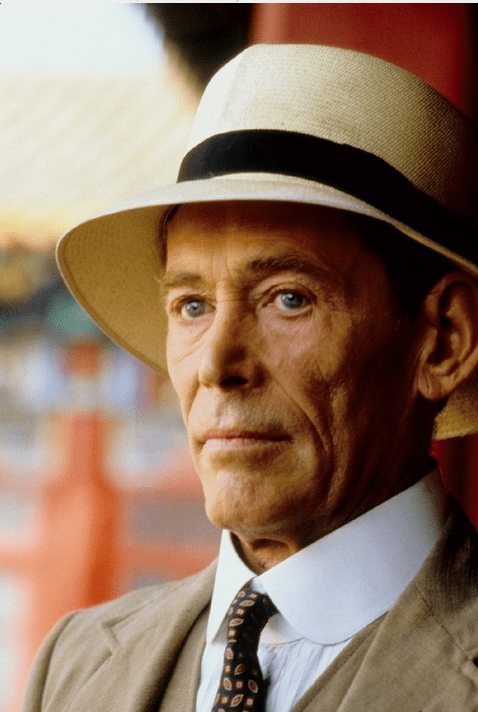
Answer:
(449, 352)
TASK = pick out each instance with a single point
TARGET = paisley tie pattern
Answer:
(241, 688)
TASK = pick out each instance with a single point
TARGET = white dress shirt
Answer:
(325, 593)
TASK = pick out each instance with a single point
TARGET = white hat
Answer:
(304, 124)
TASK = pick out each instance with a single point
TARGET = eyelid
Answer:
(174, 295)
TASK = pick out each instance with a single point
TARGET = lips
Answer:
(244, 435)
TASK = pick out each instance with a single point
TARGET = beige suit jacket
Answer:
(141, 653)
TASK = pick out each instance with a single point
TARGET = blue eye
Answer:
(290, 301)
(193, 309)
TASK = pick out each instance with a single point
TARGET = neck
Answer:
(262, 553)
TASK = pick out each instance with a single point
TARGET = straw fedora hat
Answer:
(303, 124)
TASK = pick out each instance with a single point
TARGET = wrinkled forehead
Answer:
(266, 221)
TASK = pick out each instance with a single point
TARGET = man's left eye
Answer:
(290, 301)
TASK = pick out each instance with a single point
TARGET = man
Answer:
(317, 312)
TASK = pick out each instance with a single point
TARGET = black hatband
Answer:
(346, 168)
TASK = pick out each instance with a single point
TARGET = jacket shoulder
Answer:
(81, 642)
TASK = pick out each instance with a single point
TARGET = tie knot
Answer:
(248, 614)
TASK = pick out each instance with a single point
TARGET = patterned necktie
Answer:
(242, 686)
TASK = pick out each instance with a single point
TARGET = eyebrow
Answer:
(284, 263)
(178, 279)
(263, 267)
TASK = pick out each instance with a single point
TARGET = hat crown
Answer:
(349, 98)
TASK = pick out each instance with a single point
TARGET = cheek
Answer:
(377, 380)
(182, 374)
(339, 374)
(311, 356)
(305, 396)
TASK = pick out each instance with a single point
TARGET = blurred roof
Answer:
(71, 145)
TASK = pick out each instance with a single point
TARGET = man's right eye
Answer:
(193, 309)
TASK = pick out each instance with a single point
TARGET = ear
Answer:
(449, 350)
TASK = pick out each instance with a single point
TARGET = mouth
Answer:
(247, 434)
(232, 438)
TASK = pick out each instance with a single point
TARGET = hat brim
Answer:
(111, 264)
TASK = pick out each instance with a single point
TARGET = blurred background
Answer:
(97, 491)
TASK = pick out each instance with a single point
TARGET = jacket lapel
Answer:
(137, 652)
(181, 691)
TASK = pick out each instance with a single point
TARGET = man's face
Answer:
(293, 370)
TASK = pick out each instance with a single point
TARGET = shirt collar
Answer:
(337, 585)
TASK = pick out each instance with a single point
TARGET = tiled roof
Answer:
(70, 146)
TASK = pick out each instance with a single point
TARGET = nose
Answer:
(229, 355)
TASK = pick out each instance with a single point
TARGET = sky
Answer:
(107, 38)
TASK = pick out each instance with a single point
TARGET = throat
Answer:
(259, 555)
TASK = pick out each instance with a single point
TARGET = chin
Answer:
(249, 523)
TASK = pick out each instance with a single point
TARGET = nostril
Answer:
(232, 381)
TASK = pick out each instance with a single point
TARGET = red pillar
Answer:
(432, 40)
(71, 563)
